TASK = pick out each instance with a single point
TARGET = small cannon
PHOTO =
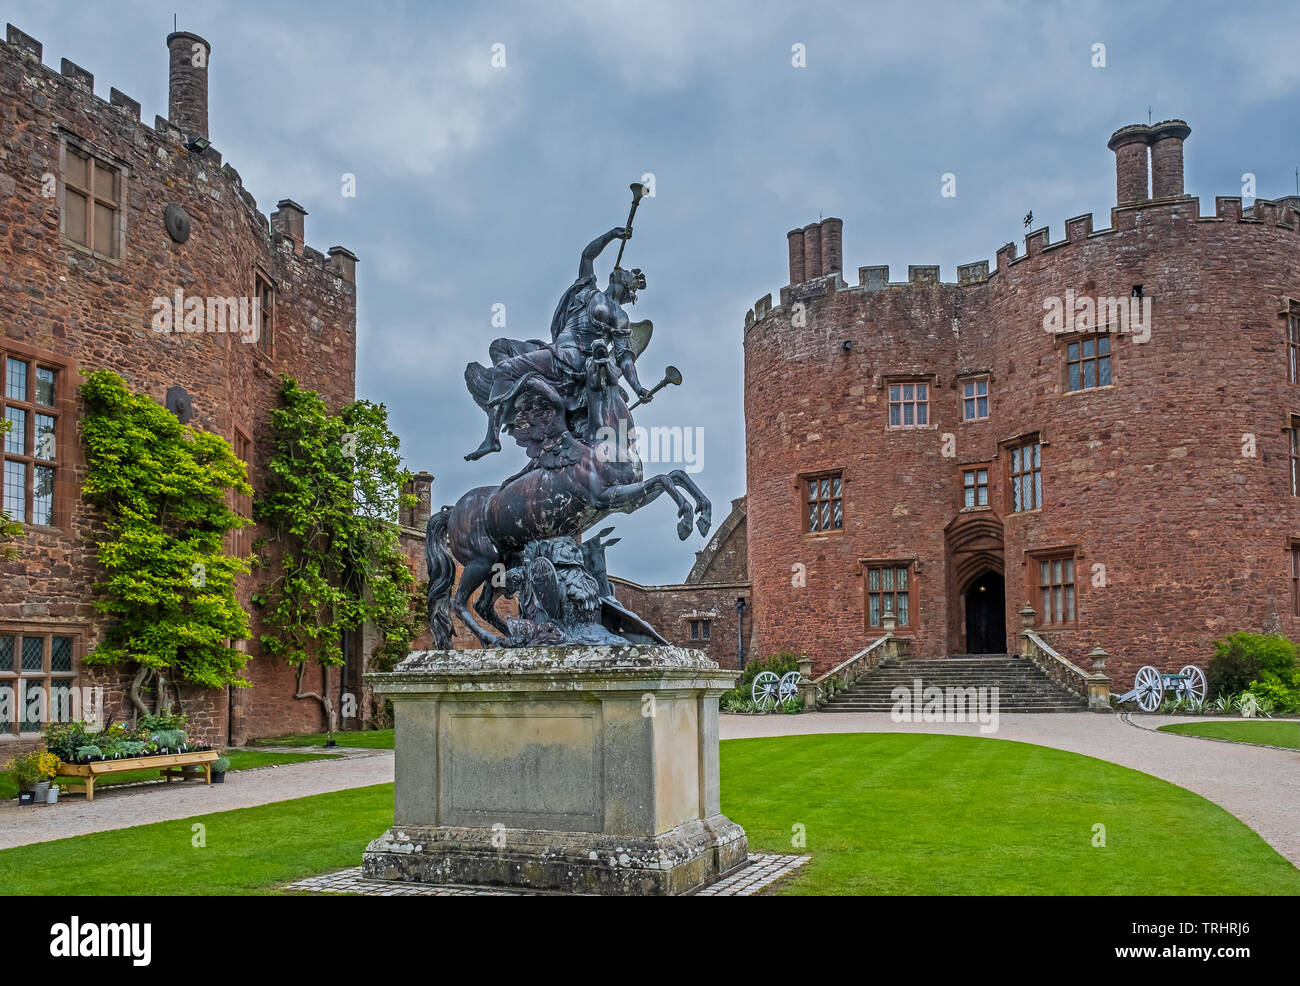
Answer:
(1150, 686)
(769, 690)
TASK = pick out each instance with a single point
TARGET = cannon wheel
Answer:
(766, 689)
(1150, 688)
(789, 687)
(1194, 684)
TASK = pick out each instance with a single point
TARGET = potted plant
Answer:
(47, 766)
(53, 798)
(219, 768)
(27, 774)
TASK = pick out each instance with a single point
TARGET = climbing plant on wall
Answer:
(163, 488)
(333, 492)
(9, 529)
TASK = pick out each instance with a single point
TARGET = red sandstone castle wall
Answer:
(1146, 477)
(94, 312)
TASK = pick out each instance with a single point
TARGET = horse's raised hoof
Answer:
(704, 522)
(684, 528)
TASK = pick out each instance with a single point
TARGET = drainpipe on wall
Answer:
(740, 633)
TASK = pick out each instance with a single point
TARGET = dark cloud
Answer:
(478, 186)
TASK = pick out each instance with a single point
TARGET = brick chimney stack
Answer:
(812, 251)
(832, 236)
(1130, 147)
(421, 487)
(187, 86)
(794, 239)
(1167, 158)
(290, 219)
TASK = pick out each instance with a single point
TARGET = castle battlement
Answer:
(1149, 185)
(181, 135)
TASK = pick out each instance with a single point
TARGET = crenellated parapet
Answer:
(179, 140)
(1149, 189)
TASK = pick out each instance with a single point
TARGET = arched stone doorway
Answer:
(977, 622)
(986, 614)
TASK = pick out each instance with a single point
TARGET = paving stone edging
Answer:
(1127, 717)
(764, 870)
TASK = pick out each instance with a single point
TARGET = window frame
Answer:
(805, 502)
(973, 400)
(1292, 432)
(1079, 339)
(243, 505)
(263, 288)
(894, 565)
(1293, 549)
(1293, 342)
(62, 414)
(70, 145)
(1013, 476)
(20, 632)
(1064, 556)
(987, 486)
(700, 628)
(915, 403)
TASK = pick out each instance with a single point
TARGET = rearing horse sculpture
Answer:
(572, 486)
(563, 403)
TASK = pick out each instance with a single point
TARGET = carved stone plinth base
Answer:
(580, 769)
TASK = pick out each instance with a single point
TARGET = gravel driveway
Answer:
(122, 807)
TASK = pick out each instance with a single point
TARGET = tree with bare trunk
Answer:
(163, 493)
(334, 487)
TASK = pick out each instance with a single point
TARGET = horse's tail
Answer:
(442, 573)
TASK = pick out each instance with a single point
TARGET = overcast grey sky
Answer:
(478, 186)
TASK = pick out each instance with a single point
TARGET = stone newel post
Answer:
(893, 646)
(1099, 686)
(807, 687)
(1027, 617)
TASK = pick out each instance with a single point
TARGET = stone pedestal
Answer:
(582, 769)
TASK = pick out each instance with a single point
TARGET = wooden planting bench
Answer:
(169, 764)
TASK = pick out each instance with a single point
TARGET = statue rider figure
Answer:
(585, 315)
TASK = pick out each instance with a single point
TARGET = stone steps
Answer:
(1021, 685)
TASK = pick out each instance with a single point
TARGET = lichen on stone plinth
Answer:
(575, 769)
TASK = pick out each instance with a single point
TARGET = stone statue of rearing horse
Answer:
(573, 481)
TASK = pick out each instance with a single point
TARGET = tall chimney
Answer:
(1130, 147)
(421, 487)
(794, 239)
(1167, 158)
(290, 219)
(812, 250)
(832, 246)
(187, 84)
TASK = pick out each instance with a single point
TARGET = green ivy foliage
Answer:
(331, 504)
(162, 488)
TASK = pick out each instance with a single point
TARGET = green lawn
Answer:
(248, 851)
(370, 739)
(239, 760)
(918, 814)
(882, 814)
(1269, 732)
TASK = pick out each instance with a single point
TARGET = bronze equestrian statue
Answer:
(563, 403)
